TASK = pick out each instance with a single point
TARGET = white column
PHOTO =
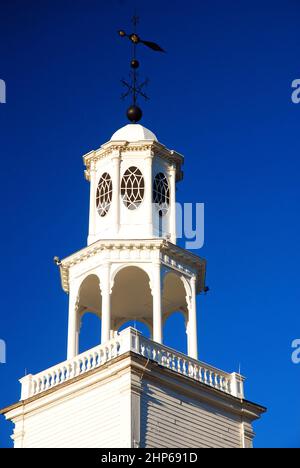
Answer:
(106, 303)
(192, 322)
(157, 303)
(172, 173)
(116, 192)
(148, 195)
(93, 208)
(73, 323)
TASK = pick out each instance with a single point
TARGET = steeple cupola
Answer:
(133, 187)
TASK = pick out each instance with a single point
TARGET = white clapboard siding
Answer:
(170, 420)
(90, 419)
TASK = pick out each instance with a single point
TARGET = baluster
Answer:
(159, 356)
(184, 367)
(82, 362)
(179, 364)
(224, 384)
(168, 359)
(101, 356)
(228, 387)
(71, 369)
(217, 380)
(210, 378)
(112, 352)
(173, 362)
(76, 368)
(88, 362)
(105, 354)
(47, 381)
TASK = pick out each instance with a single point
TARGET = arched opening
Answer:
(175, 332)
(175, 312)
(131, 298)
(89, 313)
(90, 331)
(90, 295)
(174, 294)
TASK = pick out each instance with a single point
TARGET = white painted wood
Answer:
(131, 340)
(73, 322)
(173, 233)
(157, 303)
(133, 132)
(130, 391)
(132, 145)
(192, 321)
(132, 402)
(172, 420)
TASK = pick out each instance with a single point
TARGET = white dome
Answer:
(133, 132)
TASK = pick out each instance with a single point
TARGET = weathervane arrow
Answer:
(135, 39)
(134, 112)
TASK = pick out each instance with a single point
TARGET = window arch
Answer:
(132, 188)
(104, 194)
(161, 193)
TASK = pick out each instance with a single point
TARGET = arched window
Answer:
(132, 188)
(161, 193)
(104, 194)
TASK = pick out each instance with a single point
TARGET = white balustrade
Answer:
(132, 340)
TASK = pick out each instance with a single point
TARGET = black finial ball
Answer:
(134, 63)
(134, 113)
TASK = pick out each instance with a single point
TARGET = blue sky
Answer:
(221, 96)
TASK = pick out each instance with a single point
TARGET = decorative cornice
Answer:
(159, 150)
(172, 256)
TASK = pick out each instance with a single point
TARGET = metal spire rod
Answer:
(134, 112)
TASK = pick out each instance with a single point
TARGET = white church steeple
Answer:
(132, 268)
(131, 391)
(119, 393)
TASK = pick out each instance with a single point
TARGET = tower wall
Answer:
(133, 402)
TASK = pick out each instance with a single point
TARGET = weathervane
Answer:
(134, 88)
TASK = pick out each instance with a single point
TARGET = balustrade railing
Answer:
(131, 340)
